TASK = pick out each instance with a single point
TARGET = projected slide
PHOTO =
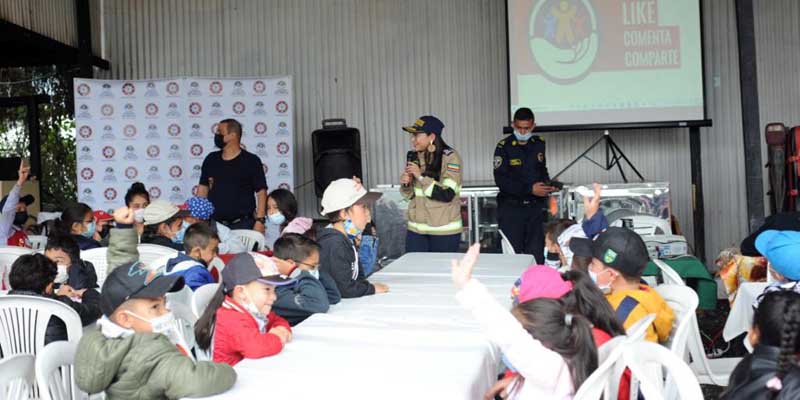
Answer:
(578, 62)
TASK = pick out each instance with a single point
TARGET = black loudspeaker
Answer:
(337, 153)
(9, 167)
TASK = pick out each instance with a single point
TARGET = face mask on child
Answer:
(277, 218)
(138, 215)
(62, 275)
(553, 260)
(605, 288)
(179, 236)
(351, 229)
(163, 324)
(89, 230)
(252, 309)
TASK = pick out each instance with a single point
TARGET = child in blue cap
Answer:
(782, 251)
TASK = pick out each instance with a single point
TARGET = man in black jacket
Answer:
(34, 275)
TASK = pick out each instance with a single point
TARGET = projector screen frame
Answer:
(705, 122)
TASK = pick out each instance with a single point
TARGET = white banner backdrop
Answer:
(158, 132)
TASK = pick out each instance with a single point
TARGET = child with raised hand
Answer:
(239, 322)
(560, 232)
(137, 352)
(551, 347)
(771, 371)
(15, 212)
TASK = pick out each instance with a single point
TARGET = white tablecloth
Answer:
(413, 343)
(741, 317)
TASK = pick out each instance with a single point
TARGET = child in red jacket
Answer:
(239, 320)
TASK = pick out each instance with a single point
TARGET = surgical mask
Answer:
(62, 275)
(179, 236)
(163, 324)
(553, 260)
(138, 215)
(89, 230)
(20, 218)
(252, 309)
(603, 288)
(351, 229)
(315, 273)
(277, 218)
(523, 137)
(219, 141)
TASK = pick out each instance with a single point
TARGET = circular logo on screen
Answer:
(175, 171)
(128, 89)
(151, 109)
(195, 108)
(84, 89)
(108, 152)
(281, 107)
(215, 87)
(85, 131)
(259, 87)
(131, 173)
(174, 130)
(238, 107)
(129, 131)
(87, 174)
(260, 128)
(110, 194)
(107, 110)
(172, 88)
(196, 150)
(563, 39)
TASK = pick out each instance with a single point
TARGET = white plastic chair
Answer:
(98, 258)
(24, 320)
(180, 303)
(216, 264)
(646, 360)
(638, 331)
(250, 238)
(152, 252)
(201, 297)
(669, 275)
(604, 381)
(683, 301)
(55, 374)
(9, 254)
(16, 376)
(506, 244)
(715, 371)
(38, 242)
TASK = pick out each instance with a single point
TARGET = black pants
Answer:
(523, 224)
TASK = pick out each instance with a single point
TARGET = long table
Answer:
(413, 342)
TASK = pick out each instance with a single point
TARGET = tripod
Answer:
(613, 157)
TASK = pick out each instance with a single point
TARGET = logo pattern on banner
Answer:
(177, 118)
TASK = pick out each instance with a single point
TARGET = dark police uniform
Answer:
(517, 167)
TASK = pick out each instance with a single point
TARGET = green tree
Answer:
(56, 127)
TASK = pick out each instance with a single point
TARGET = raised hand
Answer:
(462, 270)
(24, 172)
(592, 205)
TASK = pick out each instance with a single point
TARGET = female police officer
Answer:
(432, 183)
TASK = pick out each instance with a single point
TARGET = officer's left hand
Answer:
(413, 169)
(258, 226)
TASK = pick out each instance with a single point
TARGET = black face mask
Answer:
(553, 256)
(219, 141)
(20, 218)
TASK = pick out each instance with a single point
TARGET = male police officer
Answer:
(520, 172)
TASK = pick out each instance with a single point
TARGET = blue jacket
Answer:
(193, 273)
(307, 296)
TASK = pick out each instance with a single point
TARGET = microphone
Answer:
(411, 157)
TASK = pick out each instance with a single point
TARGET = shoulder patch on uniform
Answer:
(515, 162)
(498, 161)
(539, 138)
(447, 152)
(513, 142)
(453, 167)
